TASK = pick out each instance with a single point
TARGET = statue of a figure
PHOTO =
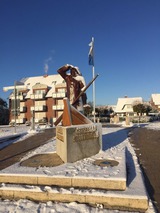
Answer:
(75, 84)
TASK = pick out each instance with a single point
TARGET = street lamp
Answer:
(17, 85)
(33, 112)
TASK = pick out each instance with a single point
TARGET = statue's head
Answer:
(75, 71)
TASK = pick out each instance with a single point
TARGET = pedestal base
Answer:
(77, 142)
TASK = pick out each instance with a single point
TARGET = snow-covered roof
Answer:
(156, 99)
(122, 102)
(51, 81)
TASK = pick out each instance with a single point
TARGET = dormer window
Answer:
(38, 92)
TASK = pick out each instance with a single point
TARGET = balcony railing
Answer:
(58, 94)
(37, 96)
(39, 108)
(36, 120)
(21, 97)
(58, 107)
(54, 119)
(23, 109)
(20, 120)
(18, 97)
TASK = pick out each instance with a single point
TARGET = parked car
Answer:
(42, 121)
(28, 123)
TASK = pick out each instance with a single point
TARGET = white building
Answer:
(155, 101)
(41, 98)
(125, 105)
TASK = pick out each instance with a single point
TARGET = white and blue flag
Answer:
(91, 54)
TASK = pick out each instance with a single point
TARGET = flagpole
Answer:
(93, 71)
(91, 62)
(94, 96)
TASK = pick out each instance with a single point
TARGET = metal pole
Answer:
(34, 114)
(94, 98)
(15, 110)
(93, 70)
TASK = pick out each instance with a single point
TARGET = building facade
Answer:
(125, 106)
(41, 98)
(155, 101)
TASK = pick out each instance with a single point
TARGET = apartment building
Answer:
(41, 97)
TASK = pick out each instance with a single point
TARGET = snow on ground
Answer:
(117, 140)
(27, 206)
(21, 133)
(153, 125)
(84, 167)
(6, 131)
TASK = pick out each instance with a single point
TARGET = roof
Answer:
(122, 102)
(48, 81)
(156, 99)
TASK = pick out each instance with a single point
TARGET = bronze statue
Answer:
(75, 84)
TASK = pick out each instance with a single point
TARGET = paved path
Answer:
(147, 148)
(14, 152)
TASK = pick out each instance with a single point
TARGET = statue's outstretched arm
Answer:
(63, 70)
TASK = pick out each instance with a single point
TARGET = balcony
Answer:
(54, 119)
(41, 121)
(37, 96)
(21, 97)
(23, 109)
(58, 94)
(36, 120)
(41, 108)
(19, 121)
(58, 107)
(18, 97)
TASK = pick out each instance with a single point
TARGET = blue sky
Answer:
(56, 32)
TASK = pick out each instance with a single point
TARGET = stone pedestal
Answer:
(116, 119)
(127, 120)
(77, 142)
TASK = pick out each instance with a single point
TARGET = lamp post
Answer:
(15, 106)
(33, 113)
(17, 85)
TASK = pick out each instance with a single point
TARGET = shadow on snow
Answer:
(114, 138)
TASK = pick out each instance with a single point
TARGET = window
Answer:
(39, 92)
(61, 90)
